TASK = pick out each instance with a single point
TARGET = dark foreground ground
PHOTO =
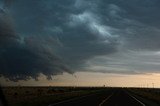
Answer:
(113, 97)
(81, 96)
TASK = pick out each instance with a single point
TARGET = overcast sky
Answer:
(51, 37)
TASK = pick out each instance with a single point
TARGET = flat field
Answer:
(43, 96)
(78, 96)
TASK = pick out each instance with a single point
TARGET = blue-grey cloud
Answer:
(25, 57)
(51, 37)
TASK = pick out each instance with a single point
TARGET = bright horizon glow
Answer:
(93, 79)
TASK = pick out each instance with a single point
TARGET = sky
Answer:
(41, 40)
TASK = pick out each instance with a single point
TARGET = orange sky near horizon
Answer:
(93, 79)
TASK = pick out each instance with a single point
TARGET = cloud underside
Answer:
(52, 37)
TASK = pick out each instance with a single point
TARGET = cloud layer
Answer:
(52, 37)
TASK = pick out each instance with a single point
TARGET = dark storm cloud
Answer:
(6, 28)
(136, 20)
(22, 57)
(50, 37)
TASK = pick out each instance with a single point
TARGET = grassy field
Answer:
(43, 96)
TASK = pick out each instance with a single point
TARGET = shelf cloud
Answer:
(52, 37)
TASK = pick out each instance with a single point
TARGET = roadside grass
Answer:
(46, 100)
(44, 96)
(148, 93)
